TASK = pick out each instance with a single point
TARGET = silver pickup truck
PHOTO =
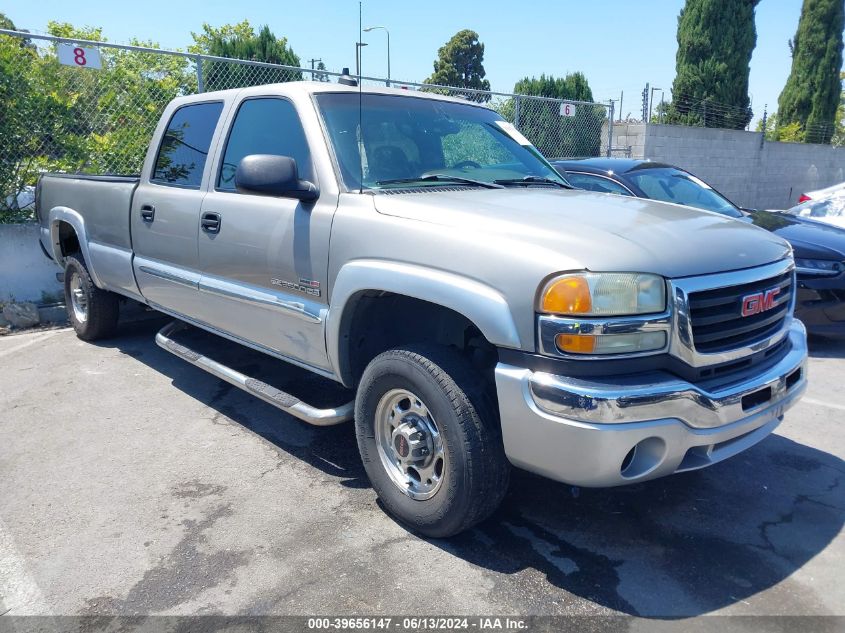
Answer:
(419, 250)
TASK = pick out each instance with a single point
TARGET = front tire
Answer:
(92, 312)
(430, 440)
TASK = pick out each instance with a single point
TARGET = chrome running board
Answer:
(269, 394)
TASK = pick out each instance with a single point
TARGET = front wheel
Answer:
(92, 312)
(429, 440)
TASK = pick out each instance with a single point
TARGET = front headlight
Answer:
(603, 294)
(817, 267)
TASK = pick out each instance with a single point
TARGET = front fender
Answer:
(483, 305)
(66, 214)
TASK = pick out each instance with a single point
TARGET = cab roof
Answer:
(603, 165)
(298, 88)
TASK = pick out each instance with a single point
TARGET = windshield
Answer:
(406, 141)
(674, 185)
(829, 208)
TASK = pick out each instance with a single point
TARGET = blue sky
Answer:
(618, 44)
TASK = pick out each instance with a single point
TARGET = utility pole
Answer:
(645, 104)
(313, 61)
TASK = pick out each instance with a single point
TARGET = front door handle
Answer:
(210, 222)
(148, 212)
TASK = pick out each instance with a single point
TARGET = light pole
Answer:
(358, 47)
(651, 101)
(384, 28)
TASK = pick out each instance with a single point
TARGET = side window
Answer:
(595, 183)
(184, 148)
(265, 126)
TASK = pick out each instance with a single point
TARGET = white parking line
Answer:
(35, 338)
(822, 403)
(19, 593)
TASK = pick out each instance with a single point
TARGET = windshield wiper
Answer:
(531, 180)
(440, 178)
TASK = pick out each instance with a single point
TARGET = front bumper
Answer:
(615, 431)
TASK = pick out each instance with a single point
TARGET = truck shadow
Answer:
(826, 347)
(676, 547)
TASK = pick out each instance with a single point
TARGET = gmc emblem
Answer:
(759, 302)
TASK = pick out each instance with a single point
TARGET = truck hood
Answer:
(599, 232)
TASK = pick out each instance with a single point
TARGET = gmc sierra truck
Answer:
(418, 249)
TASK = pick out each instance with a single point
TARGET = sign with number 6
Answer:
(567, 109)
(71, 55)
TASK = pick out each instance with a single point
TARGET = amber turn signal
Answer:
(567, 295)
(576, 343)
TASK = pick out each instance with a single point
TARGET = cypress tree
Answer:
(811, 94)
(715, 42)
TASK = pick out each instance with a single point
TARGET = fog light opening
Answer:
(628, 459)
(644, 456)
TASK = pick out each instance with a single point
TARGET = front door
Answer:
(166, 208)
(264, 259)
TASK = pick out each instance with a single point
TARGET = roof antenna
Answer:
(360, 98)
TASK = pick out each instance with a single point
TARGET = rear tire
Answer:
(92, 312)
(430, 440)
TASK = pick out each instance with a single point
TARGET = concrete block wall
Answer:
(628, 140)
(737, 163)
(25, 272)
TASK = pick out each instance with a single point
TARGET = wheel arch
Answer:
(67, 234)
(362, 281)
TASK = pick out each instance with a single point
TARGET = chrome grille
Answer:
(716, 315)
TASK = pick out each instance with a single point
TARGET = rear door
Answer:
(264, 259)
(166, 209)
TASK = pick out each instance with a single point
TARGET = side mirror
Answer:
(273, 175)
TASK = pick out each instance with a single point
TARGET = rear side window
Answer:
(265, 126)
(595, 183)
(184, 148)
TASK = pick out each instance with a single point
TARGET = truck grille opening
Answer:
(716, 315)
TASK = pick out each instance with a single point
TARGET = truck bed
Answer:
(103, 201)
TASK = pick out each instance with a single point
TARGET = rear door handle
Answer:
(210, 222)
(148, 212)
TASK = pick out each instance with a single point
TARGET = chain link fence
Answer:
(63, 118)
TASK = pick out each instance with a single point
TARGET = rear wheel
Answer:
(430, 440)
(92, 312)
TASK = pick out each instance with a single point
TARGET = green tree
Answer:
(320, 76)
(460, 64)
(541, 121)
(715, 42)
(789, 133)
(812, 91)
(20, 98)
(59, 118)
(240, 41)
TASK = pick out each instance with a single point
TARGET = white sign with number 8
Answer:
(567, 109)
(79, 56)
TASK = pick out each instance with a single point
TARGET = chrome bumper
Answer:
(606, 433)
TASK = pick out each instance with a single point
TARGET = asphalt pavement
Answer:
(134, 483)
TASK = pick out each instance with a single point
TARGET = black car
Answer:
(819, 248)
